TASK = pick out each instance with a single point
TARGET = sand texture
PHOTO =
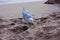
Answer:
(37, 9)
(46, 28)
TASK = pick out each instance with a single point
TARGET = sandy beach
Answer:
(46, 19)
(46, 28)
(37, 9)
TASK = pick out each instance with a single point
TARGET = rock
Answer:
(52, 1)
(48, 3)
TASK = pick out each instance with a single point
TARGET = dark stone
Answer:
(57, 1)
(48, 3)
(52, 1)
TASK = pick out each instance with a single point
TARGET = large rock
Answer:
(52, 1)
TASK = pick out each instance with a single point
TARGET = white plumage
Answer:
(27, 15)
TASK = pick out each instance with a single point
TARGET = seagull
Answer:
(27, 16)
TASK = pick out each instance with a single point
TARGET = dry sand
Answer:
(37, 9)
(47, 27)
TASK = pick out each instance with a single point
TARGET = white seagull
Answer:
(27, 16)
